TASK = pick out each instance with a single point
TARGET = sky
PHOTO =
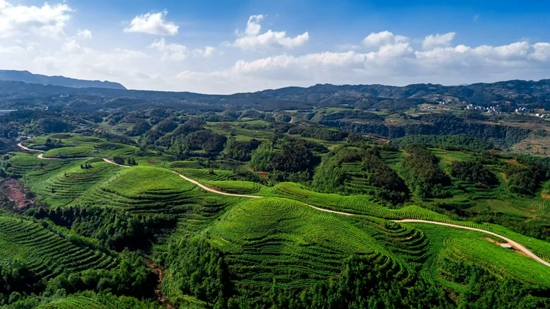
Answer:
(229, 46)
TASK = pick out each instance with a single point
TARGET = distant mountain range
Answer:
(25, 90)
(30, 78)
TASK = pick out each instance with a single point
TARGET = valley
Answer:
(246, 208)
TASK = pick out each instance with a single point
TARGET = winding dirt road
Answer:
(514, 244)
(214, 190)
(41, 154)
(20, 145)
(112, 162)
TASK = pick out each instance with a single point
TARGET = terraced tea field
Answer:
(73, 182)
(89, 300)
(30, 165)
(70, 152)
(478, 249)
(289, 236)
(46, 253)
(236, 187)
(73, 146)
(74, 302)
(286, 241)
(151, 191)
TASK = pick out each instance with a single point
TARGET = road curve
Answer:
(214, 190)
(514, 244)
(112, 162)
(20, 145)
(331, 211)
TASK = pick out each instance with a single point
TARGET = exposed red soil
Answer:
(16, 193)
(263, 174)
(163, 299)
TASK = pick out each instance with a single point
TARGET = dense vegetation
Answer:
(448, 142)
(359, 171)
(79, 232)
(423, 175)
(474, 172)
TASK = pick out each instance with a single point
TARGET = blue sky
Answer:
(233, 46)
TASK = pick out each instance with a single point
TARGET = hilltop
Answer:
(321, 197)
(30, 78)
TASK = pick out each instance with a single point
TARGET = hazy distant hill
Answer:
(507, 94)
(30, 78)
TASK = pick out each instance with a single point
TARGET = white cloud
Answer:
(438, 40)
(177, 52)
(251, 39)
(47, 20)
(171, 51)
(394, 62)
(153, 23)
(81, 62)
(84, 34)
(384, 38)
(209, 51)
(163, 64)
(541, 52)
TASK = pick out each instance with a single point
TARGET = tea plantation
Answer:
(136, 234)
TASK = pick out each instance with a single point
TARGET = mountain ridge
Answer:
(31, 78)
(507, 94)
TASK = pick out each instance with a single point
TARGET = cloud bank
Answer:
(44, 40)
(153, 23)
(252, 39)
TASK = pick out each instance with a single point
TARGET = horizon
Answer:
(272, 89)
(244, 47)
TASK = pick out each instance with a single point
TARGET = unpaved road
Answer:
(331, 211)
(41, 157)
(514, 244)
(214, 190)
(112, 162)
(20, 145)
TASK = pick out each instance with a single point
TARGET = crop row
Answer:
(74, 302)
(47, 253)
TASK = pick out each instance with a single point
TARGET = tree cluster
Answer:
(241, 151)
(422, 173)
(474, 171)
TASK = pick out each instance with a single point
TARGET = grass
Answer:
(447, 157)
(241, 134)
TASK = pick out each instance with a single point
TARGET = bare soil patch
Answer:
(16, 193)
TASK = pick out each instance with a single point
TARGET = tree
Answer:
(261, 157)
(118, 160)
